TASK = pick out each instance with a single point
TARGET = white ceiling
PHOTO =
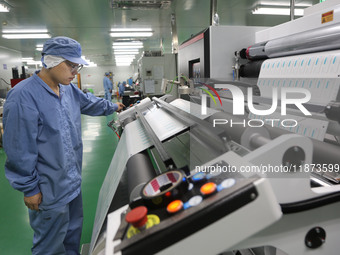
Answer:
(89, 22)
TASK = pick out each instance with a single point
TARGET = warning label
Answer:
(327, 17)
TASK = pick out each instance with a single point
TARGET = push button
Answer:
(174, 206)
(208, 188)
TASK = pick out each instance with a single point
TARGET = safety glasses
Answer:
(74, 67)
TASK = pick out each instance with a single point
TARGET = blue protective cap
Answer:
(107, 74)
(64, 47)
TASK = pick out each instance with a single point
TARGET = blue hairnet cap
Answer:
(64, 47)
(107, 73)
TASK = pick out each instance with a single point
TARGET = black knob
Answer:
(294, 157)
(315, 237)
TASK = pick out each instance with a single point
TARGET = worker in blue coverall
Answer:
(121, 89)
(130, 82)
(108, 86)
(42, 140)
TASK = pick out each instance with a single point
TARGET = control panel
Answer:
(173, 206)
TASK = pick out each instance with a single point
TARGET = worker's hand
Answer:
(33, 201)
(120, 106)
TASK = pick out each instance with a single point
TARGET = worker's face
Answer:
(65, 72)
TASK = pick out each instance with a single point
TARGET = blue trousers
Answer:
(57, 231)
(108, 96)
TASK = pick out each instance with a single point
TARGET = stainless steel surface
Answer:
(326, 38)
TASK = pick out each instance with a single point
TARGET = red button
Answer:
(208, 188)
(137, 216)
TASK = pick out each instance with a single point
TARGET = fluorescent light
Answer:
(29, 61)
(90, 63)
(131, 34)
(26, 36)
(133, 43)
(33, 63)
(277, 11)
(24, 31)
(131, 29)
(125, 52)
(127, 47)
(283, 3)
(39, 48)
(4, 8)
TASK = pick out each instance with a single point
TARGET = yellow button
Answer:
(174, 206)
(208, 188)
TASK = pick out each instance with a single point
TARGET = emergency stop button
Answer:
(137, 216)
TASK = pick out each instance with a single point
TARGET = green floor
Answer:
(99, 145)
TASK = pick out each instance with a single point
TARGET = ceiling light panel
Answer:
(25, 34)
(127, 47)
(4, 8)
(131, 29)
(125, 52)
(24, 31)
(131, 34)
(277, 11)
(133, 43)
(284, 3)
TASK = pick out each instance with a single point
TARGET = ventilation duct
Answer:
(140, 5)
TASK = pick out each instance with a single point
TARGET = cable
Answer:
(311, 203)
(172, 84)
(5, 81)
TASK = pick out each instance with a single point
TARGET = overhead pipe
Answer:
(213, 13)
(292, 9)
(174, 34)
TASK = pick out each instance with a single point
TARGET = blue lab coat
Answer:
(108, 86)
(121, 89)
(42, 138)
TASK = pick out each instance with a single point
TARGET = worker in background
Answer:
(108, 86)
(42, 140)
(121, 89)
(130, 82)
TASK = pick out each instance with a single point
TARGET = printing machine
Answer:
(185, 181)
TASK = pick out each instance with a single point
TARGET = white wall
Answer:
(8, 59)
(92, 77)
